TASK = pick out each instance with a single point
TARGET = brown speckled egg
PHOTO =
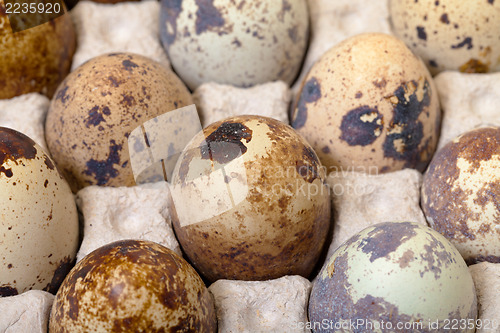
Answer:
(461, 194)
(133, 286)
(394, 277)
(450, 34)
(250, 201)
(241, 43)
(36, 59)
(95, 109)
(369, 104)
(39, 224)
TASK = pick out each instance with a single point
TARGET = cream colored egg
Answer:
(250, 201)
(241, 42)
(369, 104)
(96, 108)
(133, 286)
(394, 277)
(450, 34)
(461, 191)
(39, 224)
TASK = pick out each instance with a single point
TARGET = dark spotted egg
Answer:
(39, 220)
(369, 104)
(95, 109)
(133, 286)
(393, 277)
(461, 194)
(450, 34)
(240, 42)
(250, 201)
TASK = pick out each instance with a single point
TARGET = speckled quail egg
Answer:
(461, 194)
(95, 109)
(241, 42)
(39, 224)
(450, 34)
(250, 201)
(35, 59)
(394, 277)
(369, 104)
(133, 286)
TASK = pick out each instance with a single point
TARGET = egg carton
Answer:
(109, 214)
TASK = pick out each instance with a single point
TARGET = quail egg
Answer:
(250, 201)
(450, 34)
(242, 43)
(370, 105)
(95, 109)
(461, 194)
(133, 286)
(39, 224)
(394, 277)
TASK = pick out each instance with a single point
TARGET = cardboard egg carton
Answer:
(110, 214)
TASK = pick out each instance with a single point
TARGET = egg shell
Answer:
(396, 272)
(39, 225)
(95, 109)
(133, 286)
(262, 207)
(460, 194)
(370, 105)
(36, 59)
(450, 34)
(241, 43)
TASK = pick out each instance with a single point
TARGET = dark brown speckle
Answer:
(8, 291)
(48, 162)
(60, 273)
(361, 126)
(293, 34)
(386, 238)
(61, 94)
(226, 142)
(129, 65)
(103, 170)
(207, 16)
(95, 117)
(421, 34)
(170, 11)
(310, 93)
(14, 146)
(444, 19)
(480, 258)
(466, 42)
(308, 166)
(405, 131)
(236, 42)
